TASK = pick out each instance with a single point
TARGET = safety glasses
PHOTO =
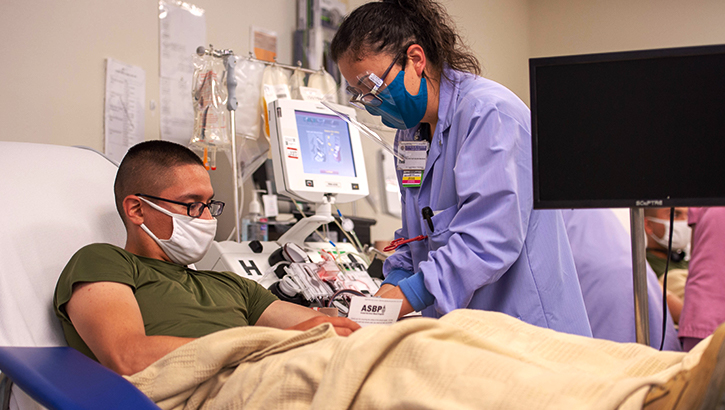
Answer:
(374, 84)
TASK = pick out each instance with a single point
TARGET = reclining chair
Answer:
(55, 200)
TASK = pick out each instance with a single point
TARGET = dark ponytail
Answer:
(389, 25)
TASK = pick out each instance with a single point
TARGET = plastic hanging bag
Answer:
(209, 94)
(275, 85)
(297, 81)
(249, 86)
(323, 81)
(252, 147)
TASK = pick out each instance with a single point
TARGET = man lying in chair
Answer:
(129, 307)
(183, 334)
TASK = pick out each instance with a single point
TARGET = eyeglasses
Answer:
(194, 209)
(373, 83)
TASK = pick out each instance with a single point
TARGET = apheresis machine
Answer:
(317, 158)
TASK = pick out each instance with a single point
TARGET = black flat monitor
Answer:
(629, 129)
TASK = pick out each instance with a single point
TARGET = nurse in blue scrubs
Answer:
(470, 237)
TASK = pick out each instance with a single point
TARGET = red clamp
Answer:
(402, 241)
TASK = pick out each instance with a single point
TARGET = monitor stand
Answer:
(306, 226)
(639, 275)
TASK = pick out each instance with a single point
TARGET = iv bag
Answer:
(252, 149)
(275, 85)
(249, 86)
(209, 96)
(323, 81)
(296, 81)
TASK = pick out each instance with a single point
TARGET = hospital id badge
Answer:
(412, 179)
(415, 154)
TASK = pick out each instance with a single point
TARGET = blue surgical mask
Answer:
(399, 109)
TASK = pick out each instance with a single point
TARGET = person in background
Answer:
(704, 305)
(657, 229)
(469, 201)
(603, 256)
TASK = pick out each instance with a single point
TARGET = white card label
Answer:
(374, 311)
(415, 154)
(311, 94)
(269, 93)
(270, 206)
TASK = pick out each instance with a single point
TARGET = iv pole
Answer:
(639, 275)
(229, 63)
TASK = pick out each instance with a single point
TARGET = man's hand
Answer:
(343, 326)
(285, 315)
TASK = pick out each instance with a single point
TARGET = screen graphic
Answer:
(324, 144)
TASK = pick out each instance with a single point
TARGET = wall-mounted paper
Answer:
(182, 29)
(263, 43)
(124, 111)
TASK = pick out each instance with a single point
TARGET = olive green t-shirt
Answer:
(174, 300)
(658, 264)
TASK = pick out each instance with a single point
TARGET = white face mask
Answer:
(681, 234)
(190, 239)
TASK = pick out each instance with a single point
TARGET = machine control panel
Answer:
(314, 272)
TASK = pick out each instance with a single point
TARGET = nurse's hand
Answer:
(386, 287)
(394, 292)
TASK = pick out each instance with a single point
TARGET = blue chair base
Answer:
(63, 378)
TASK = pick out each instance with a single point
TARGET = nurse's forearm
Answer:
(386, 287)
(396, 293)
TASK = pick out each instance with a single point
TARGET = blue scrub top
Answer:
(489, 249)
(603, 256)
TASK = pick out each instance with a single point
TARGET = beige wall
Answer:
(559, 27)
(52, 76)
(498, 33)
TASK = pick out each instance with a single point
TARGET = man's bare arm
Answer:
(285, 315)
(108, 319)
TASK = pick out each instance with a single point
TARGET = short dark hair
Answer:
(146, 168)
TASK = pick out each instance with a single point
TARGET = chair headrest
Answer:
(55, 199)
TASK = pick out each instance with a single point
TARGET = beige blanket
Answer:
(465, 360)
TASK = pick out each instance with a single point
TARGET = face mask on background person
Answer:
(190, 239)
(681, 233)
(398, 108)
